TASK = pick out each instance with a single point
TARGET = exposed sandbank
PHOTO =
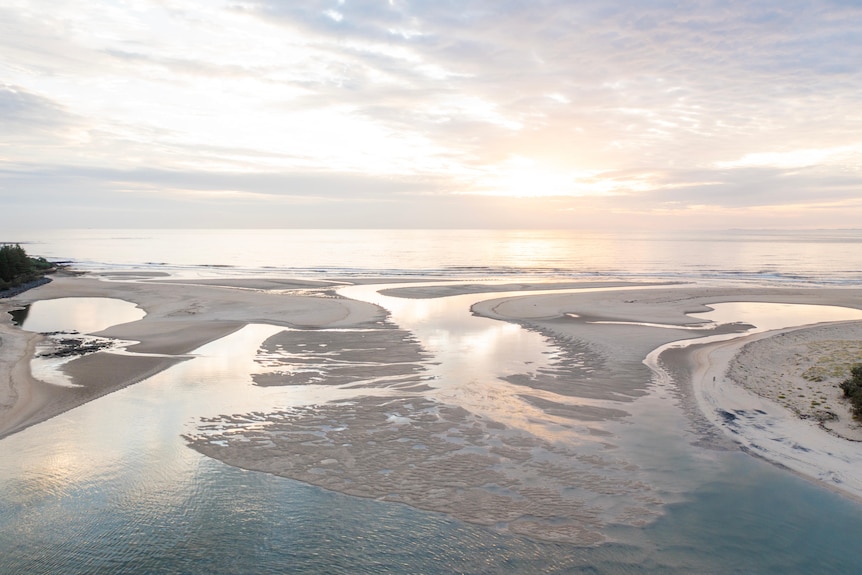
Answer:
(392, 440)
(405, 448)
(180, 318)
(801, 369)
(452, 289)
(761, 390)
(739, 399)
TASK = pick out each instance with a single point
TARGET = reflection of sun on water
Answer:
(58, 469)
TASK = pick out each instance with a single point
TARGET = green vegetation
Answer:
(828, 359)
(852, 387)
(17, 268)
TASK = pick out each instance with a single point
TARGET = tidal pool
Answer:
(80, 314)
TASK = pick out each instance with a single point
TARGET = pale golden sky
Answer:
(343, 113)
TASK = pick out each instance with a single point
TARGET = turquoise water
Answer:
(749, 519)
(111, 487)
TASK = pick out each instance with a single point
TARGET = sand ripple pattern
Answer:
(416, 451)
(387, 357)
(401, 444)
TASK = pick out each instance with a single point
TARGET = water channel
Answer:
(111, 486)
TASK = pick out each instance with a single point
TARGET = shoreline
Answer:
(19, 289)
(807, 365)
(718, 411)
(179, 318)
(764, 428)
(603, 333)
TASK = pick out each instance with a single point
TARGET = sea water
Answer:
(111, 487)
(811, 256)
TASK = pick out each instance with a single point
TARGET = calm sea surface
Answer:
(111, 487)
(810, 256)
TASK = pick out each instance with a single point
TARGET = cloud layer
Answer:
(365, 113)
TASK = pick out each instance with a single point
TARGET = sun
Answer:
(521, 177)
(535, 184)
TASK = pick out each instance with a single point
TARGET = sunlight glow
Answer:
(522, 177)
(794, 158)
(434, 115)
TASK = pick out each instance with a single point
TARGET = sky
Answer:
(592, 114)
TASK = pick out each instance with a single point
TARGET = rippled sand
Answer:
(413, 449)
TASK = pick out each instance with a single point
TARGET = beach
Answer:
(536, 452)
(179, 318)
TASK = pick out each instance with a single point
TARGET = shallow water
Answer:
(80, 314)
(769, 316)
(471, 353)
(111, 487)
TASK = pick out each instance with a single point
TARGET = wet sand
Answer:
(774, 394)
(180, 318)
(741, 388)
(556, 473)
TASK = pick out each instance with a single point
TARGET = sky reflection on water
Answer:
(110, 487)
(81, 314)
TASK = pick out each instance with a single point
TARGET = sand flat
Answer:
(180, 318)
(733, 397)
(554, 472)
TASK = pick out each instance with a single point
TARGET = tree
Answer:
(852, 387)
(8, 262)
(16, 267)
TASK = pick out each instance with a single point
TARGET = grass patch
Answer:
(833, 357)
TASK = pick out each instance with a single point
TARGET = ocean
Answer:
(814, 257)
(111, 487)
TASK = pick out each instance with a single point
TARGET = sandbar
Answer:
(555, 470)
(180, 317)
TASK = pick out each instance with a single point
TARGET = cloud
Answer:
(21, 111)
(752, 187)
(423, 103)
(158, 198)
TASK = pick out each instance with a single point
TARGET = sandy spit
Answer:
(179, 318)
(743, 388)
(774, 394)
